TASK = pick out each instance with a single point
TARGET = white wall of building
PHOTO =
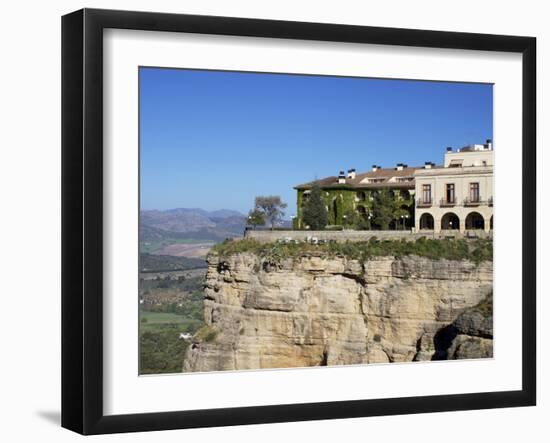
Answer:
(470, 158)
(462, 178)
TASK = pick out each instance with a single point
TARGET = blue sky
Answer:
(213, 139)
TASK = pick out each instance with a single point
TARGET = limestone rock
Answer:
(474, 329)
(467, 346)
(318, 310)
(475, 323)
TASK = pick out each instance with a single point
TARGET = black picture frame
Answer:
(82, 215)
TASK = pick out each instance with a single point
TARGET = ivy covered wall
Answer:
(344, 201)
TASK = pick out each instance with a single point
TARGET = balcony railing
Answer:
(447, 202)
(421, 203)
(474, 201)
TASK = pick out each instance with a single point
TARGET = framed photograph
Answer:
(269, 221)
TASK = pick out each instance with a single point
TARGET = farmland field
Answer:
(170, 305)
(190, 250)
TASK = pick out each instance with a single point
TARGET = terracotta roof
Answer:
(328, 181)
(363, 180)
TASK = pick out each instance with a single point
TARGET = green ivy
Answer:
(342, 200)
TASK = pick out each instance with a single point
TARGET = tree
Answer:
(399, 215)
(363, 222)
(384, 209)
(403, 209)
(389, 207)
(271, 207)
(255, 218)
(351, 219)
(315, 211)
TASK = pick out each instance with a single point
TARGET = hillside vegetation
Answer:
(169, 307)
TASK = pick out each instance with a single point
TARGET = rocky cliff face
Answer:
(316, 310)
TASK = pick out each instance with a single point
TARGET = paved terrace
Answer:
(267, 236)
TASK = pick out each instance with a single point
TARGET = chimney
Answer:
(489, 144)
(449, 149)
(341, 178)
(375, 168)
(399, 166)
(351, 173)
(428, 165)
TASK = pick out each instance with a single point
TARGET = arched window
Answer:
(427, 222)
(450, 221)
(475, 220)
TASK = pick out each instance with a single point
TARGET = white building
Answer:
(457, 195)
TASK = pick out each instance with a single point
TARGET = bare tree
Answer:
(271, 206)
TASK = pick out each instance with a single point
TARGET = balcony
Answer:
(474, 201)
(421, 203)
(447, 203)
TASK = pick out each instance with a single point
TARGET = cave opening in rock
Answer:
(442, 342)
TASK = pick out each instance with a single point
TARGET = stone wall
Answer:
(265, 236)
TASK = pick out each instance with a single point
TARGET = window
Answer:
(426, 193)
(450, 192)
(474, 192)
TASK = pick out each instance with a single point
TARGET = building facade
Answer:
(351, 196)
(457, 195)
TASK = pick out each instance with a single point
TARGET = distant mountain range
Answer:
(190, 223)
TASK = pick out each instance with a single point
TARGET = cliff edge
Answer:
(316, 310)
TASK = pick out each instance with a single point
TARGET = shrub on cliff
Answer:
(206, 334)
(451, 249)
